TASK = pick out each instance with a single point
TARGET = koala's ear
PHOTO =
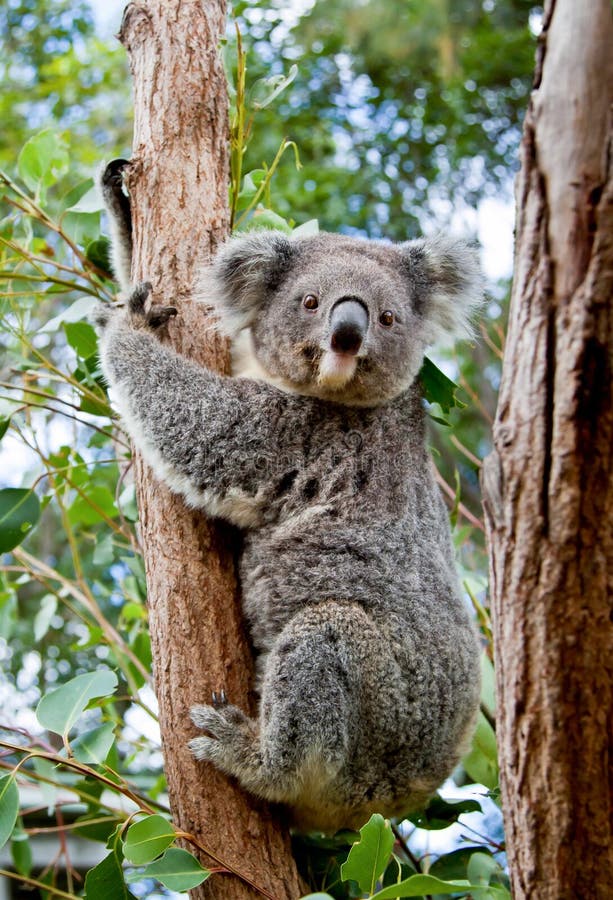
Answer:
(245, 268)
(448, 285)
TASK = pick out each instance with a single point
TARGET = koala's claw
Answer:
(219, 699)
(155, 315)
(159, 315)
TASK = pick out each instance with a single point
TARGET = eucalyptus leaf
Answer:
(76, 312)
(59, 710)
(177, 870)
(307, 229)
(92, 747)
(82, 337)
(9, 807)
(43, 159)
(106, 881)
(19, 513)
(21, 851)
(147, 839)
(441, 813)
(438, 388)
(418, 885)
(266, 218)
(481, 762)
(42, 619)
(370, 855)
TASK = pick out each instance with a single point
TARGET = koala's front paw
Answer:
(152, 315)
(230, 734)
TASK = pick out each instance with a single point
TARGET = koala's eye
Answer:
(310, 301)
(387, 318)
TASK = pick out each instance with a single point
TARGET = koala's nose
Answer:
(348, 326)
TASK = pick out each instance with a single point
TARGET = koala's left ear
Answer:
(448, 285)
(239, 277)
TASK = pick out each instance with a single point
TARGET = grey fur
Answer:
(367, 657)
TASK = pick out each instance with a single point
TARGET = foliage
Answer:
(72, 587)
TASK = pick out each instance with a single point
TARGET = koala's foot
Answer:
(152, 315)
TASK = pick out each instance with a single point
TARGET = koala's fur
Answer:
(367, 657)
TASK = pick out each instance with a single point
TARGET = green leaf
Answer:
(307, 229)
(82, 337)
(147, 838)
(370, 855)
(21, 851)
(481, 763)
(81, 227)
(266, 218)
(9, 807)
(488, 684)
(59, 710)
(177, 870)
(106, 880)
(418, 885)
(19, 513)
(86, 509)
(43, 160)
(438, 388)
(4, 424)
(441, 813)
(265, 90)
(42, 619)
(452, 865)
(76, 312)
(92, 747)
(89, 202)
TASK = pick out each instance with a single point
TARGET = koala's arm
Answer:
(218, 441)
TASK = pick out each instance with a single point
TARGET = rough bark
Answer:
(178, 185)
(548, 485)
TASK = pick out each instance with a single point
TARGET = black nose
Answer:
(348, 324)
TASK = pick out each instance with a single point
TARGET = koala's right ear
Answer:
(244, 270)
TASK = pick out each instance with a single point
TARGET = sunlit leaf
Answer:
(370, 855)
(177, 870)
(92, 747)
(42, 619)
(418, 885)
(147, 839)
(76, 312)
(43, 159)
(59, 710)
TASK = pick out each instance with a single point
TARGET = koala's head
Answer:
(341, 318)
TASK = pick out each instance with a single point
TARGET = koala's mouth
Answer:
(335, 370)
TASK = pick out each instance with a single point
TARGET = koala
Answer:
(367, 658)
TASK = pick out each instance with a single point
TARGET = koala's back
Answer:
(358, 560)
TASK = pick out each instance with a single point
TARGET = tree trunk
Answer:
(548, 485)
(179, 189)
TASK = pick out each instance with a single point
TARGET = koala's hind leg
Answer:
(117, 203)
(303, 738)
